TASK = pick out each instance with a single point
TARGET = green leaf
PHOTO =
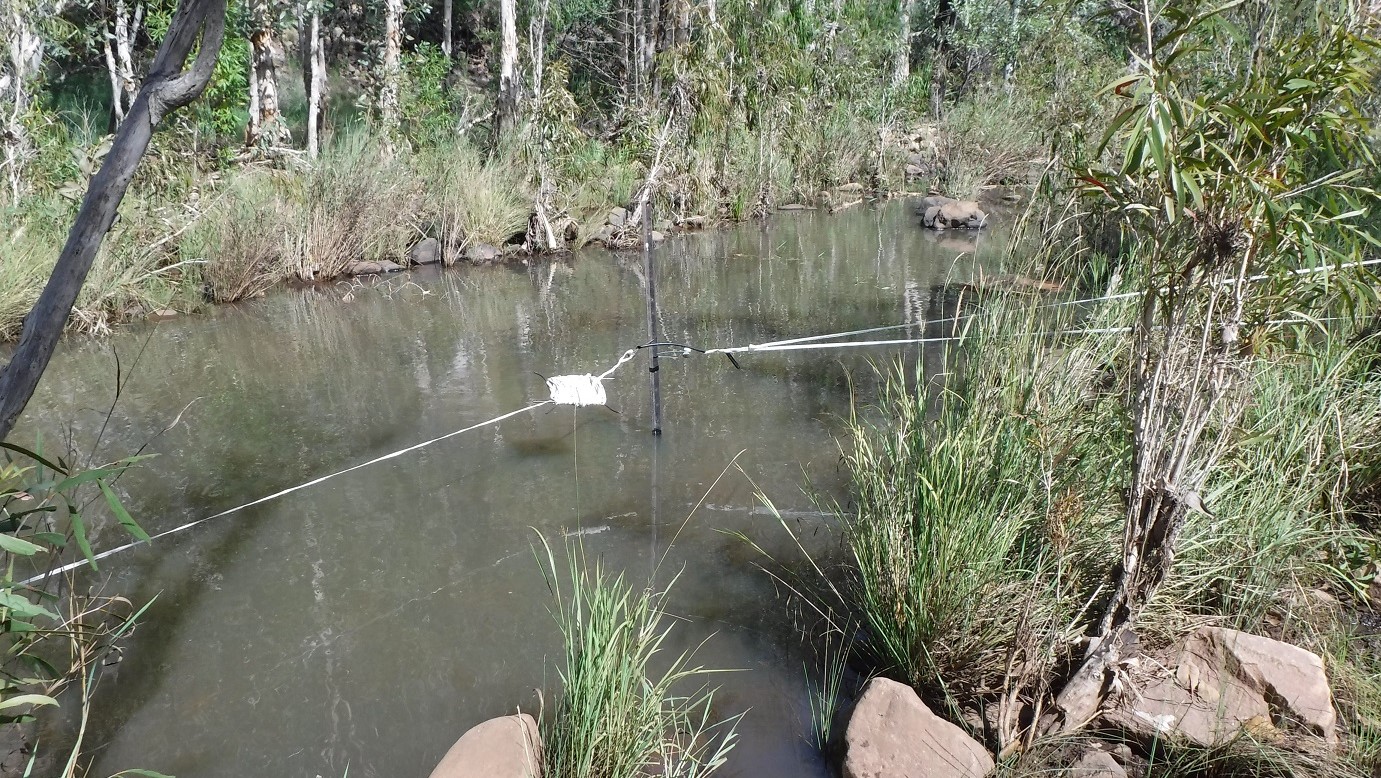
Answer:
(19, 546)
(121, 514)
(79, 530)
(23, 607)
(27, 699)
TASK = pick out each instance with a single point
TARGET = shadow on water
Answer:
(365, 622)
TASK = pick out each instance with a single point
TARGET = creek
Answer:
(360, 626)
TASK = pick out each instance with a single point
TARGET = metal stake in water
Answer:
(649, 270)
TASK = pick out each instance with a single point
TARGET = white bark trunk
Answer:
(117, 97)
(266, 126)
(447, 44)
(392, 68)
(126, 28)
(22, 57)
(508, 67)
(316, 83)
(902, 71)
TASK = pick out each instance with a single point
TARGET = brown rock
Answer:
(507, 747)
(962, 215)
(1096, 763)
(482, 253)
(1288, 678)
(933, 201)
(363, 268)
(425, 252)
(693, 222)
(388, 266)
(892, 734)
(1227, 681)
(852, 186)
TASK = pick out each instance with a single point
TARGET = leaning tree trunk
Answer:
(392, 70)
(168, 87)
(22, 57)
(266, 126)
(508, 68)
(314, 79)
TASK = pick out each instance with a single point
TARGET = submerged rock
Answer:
(507, 747)
(1226, 682)
(892, 734)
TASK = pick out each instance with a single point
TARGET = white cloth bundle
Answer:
(577, 390)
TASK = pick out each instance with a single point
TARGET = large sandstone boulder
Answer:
(425, 252)
(1226, 682)
(482, 253)
(507, 747)
(892, 734)
(954, 215)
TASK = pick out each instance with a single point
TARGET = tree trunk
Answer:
(126, 28)
(314, 73)
(266, 126)
(23, 55)
(447, 44)
(654, 18)
(508, 68)
(902, 70)
(392, 69)
(167, 88)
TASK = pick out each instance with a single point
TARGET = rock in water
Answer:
(892, 734)
(425, 252)
(482, 253)
(1227, 681)
(507, 747)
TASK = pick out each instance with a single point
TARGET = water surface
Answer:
(365, 623)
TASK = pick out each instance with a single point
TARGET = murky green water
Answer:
(365, 623)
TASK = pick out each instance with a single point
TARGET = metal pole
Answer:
(649, 270)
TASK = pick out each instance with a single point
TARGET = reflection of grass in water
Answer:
(616, 716)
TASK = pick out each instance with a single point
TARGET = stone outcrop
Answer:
(482, 254)
(945, 213)
(507, 747)
(1225, 682)
(1096, 763)
(425, 252)
(366, 267)
(892, 734)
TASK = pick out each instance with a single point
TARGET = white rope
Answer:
(798, 346)
(1228, 282)
(595, 381)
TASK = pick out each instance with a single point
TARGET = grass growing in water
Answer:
(617, 716)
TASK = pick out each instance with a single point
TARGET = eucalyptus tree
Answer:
(391, 70)
(508, 67)
(265, 126)
(171, 84)
(313, 58)
(118, 47)
(19, 66)
(1244, 201)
